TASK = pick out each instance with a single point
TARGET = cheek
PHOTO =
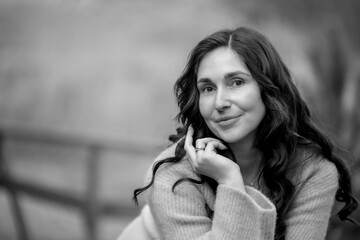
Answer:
(254, 106)
(257, 104)
(205, 107)
(252, 101)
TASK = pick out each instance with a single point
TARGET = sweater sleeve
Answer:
(182, 214)
(310, 213)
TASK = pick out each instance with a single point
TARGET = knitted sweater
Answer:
(184, 213)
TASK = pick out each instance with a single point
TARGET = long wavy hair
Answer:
(287, 124)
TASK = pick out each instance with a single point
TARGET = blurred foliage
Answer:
(310, 14)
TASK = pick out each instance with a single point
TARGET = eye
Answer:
(207, 89)
(237, 82)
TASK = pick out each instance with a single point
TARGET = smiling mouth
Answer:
(227, 120)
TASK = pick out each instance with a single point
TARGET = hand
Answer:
(209, 163)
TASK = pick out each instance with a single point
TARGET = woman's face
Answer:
(230, 100)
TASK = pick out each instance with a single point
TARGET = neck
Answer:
(248, 159)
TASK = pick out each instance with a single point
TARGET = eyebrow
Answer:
(226, 76)
(232, 74)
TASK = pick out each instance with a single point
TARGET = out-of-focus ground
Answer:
(105, 70)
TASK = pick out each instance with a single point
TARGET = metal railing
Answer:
(88, 204)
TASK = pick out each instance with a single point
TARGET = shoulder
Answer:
(313, 168)
(170, 172)
(316, 184)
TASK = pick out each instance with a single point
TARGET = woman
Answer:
(248, 161)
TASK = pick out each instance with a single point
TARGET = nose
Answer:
(222, 100)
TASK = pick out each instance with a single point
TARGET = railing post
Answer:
(6, 181)
(92, 206)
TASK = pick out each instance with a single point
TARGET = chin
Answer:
(232, 136)
(229, 137)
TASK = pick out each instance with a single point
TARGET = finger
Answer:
(200, 147)
(219, 144)
(209, 139)
(213, 145)
(210, 148)
(200, 143)
(189, 148)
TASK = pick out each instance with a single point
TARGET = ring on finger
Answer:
(199, 149)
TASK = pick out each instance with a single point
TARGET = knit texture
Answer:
(183, 214)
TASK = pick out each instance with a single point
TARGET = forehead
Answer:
(219, 62)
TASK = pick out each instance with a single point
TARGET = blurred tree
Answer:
(337, 105)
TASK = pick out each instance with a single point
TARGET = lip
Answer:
(224, 121)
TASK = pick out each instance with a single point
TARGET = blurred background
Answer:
(86, 99)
